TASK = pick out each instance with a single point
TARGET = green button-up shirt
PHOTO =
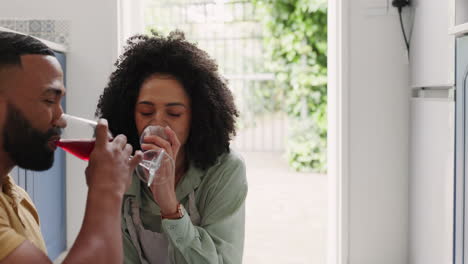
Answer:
(220, 193)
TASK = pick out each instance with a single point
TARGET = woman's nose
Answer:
(158, 120)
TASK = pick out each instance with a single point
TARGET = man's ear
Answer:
(3, 110)
(5, 79)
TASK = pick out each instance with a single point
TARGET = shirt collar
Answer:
(10, 188)
(134, 189)
(189, 182)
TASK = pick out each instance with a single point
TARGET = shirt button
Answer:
(172, 227)
(178, 240)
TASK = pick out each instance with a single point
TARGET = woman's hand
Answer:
(164, 192)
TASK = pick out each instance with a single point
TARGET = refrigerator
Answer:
(438, 208)
(460, 213)
(431, 176)
(438, 204)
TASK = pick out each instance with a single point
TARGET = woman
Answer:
(198, 215)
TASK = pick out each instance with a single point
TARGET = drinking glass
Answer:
(78, 138)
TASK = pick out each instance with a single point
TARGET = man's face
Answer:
(28, 147)
(30, 111)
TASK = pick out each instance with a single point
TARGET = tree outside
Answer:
(273, 52)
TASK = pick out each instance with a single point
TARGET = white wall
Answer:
(378, 140)
(371, 130)
(433, 56)
(375, 104)
(92, 52)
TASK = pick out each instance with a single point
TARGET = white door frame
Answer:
(338, 127)
(130, 20)
(338, 132)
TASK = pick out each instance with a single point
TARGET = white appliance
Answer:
(431, 176)
(461, 155)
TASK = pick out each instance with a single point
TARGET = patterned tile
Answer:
(22, 25)
(47, 36)
(52, 30)
(10, 24)
(48, 26)
(62, 39)
(35, 34)
(62, 26)
(35, 26)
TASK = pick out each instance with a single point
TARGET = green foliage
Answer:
(295, 33)
(306, 149)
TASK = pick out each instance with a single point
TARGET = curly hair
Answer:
(213, 110)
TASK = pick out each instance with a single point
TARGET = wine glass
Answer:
(165, 162)
(78, 138)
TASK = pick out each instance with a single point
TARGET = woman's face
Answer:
(163, 101)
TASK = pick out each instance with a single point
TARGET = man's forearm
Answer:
(99, 240)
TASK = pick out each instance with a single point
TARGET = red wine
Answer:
(81, 148)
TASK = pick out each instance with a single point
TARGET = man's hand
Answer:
(108, 176)
(110, 166)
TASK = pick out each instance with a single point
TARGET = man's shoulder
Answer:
(15, 191)
(10, 238)
(14, 196)
(5, 206)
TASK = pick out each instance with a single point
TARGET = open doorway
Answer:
(279, 80)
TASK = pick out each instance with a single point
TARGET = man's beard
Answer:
(27, 147)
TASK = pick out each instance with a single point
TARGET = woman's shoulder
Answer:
(230, 167)
(226, 181)
(224, 189)
(230, 161)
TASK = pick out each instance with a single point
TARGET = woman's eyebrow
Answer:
(175, 104)
(146, 103)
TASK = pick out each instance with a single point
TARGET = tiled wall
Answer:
(53, 30)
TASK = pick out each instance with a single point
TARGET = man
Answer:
(31, 89)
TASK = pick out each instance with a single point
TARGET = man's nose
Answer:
(61, 122)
